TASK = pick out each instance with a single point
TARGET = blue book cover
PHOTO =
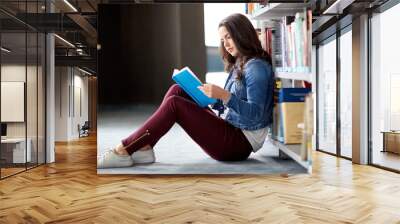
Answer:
(189, 82)
(293, 94)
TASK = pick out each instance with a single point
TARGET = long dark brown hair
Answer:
(246, 41)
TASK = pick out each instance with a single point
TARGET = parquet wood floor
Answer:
(70, 191)
(10, 171)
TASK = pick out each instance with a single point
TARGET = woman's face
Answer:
(227, 41)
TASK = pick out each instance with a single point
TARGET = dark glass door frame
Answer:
(339, 34)
(44, 76)
(341, 29)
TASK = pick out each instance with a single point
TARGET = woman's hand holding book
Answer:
(215, 91)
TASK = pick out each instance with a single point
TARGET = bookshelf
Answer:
(277, 10)
(285, 32)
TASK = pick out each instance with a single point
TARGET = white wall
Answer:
(12, 73)
(61, 103)
(82, 82)
(71, 93)
(80, 109)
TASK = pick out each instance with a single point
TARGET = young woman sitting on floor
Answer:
(245, 103)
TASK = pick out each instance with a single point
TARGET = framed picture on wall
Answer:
(12, 101)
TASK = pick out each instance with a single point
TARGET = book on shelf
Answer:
(276, 130)
(251, 8)
(288, 113)
(277, 59)
(308, 128)
(291, 115)
(295, 42)
(299, 40)
(283, 43)
(293, 94)
(270, 42)
(288, 41)
(189, 82)
(265, 37)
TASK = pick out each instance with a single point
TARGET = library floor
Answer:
(176, 152)
(70, 191)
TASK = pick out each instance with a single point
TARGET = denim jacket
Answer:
(251, 102)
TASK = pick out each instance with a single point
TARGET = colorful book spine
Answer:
(299, 39)
(276, 48)
(283, 45)
(295, 41)
(291, 49)
(269, 42)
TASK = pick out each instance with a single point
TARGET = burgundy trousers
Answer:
(218, 138)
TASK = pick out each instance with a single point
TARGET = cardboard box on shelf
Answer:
(292, 115)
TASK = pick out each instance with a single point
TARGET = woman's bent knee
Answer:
(174, 102)
(173, 99)
(175, 87)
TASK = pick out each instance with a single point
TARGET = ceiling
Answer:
(74, 21)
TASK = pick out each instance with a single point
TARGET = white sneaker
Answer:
(146, 156)
(110, 159)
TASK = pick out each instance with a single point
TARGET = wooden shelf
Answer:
(293, 151)
(294, 75)
(278, 10)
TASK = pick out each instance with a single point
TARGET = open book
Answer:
(189, 82)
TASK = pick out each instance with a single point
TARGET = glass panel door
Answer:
(327, 96)
(14, 154)
(346, 94)
(22, 87)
